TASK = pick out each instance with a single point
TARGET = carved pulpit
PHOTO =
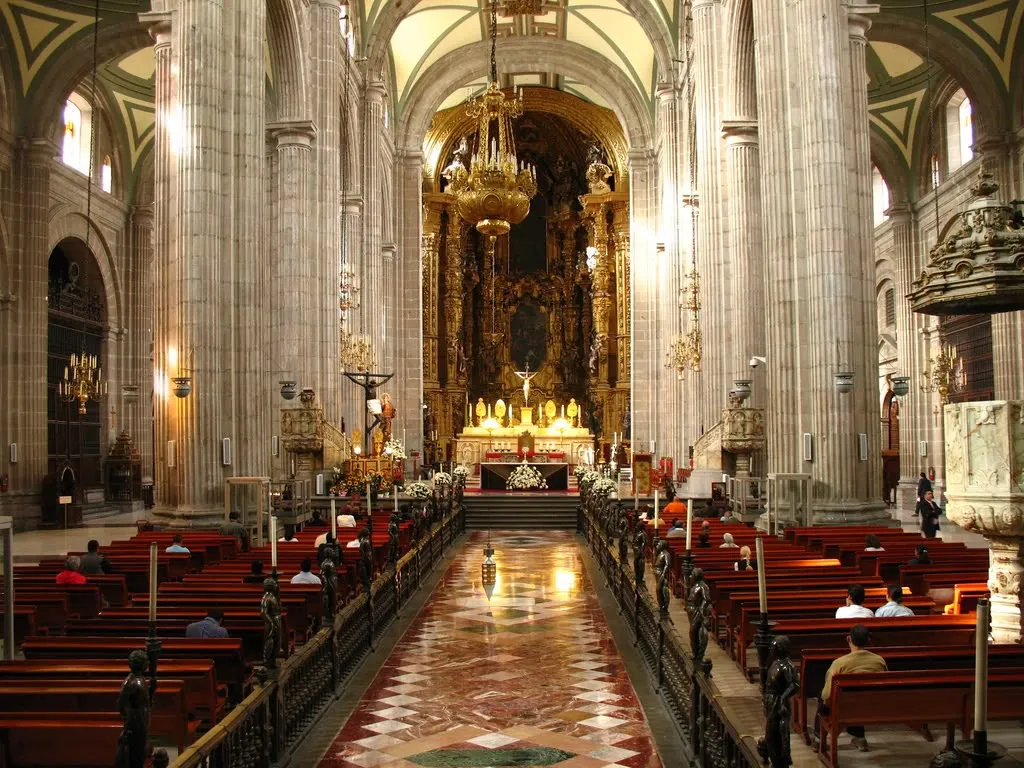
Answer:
(742, 434)
(313, 441)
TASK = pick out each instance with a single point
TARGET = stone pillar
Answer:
(373, 278)
(647, 357)
(407, 391)
(138, 365)
(985, 494)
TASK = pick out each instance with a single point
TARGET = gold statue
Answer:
(481, 411)
(574, 411)
(526, 376)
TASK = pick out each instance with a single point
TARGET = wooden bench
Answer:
(966, 597)
(113, 587)
(59, 740)
(83, 600)
(24, 622)
(912, 630)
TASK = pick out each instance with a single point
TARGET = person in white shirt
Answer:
(854, 608)
(727, 541)
(895, 605)
(346, 521)
(289, 536)
(873, 544)
(321, 539)
(305, 576)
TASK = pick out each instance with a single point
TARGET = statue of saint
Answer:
(662, 569)
(698, 607)
(639, 543)
(780, 687)
(387, 415)
(623, 537)
(526, 376)
(134, 705)
(270, 610)
(329, 584)
(393, 546)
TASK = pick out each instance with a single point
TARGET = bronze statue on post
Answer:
(393, 546)
(329, 585)
(782, 684)
(698, 608)
(639, 544)
(623, 536)
(270, 609)
(134, 705)
(365, 559)
(662, 569)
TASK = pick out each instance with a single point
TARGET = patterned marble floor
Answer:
(527, 677)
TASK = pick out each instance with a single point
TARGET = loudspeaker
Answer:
(171, 452)
(275, 446)
(14, 453)
(808, 446)
(863, 446)
(225, 451)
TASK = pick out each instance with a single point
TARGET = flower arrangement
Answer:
(442, 478)
(461, 472)
(418, 490)
(525, 478)
(603, 487)
(587, 479)
(394, 449)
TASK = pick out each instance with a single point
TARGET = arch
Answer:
(65, 224)
(378, 44)
(889, 163)
(284, 39)
(470, 61)
(7, 91)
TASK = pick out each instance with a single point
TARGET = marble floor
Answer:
(529, 675)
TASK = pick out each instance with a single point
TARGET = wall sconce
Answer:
(289, 389)
(182, 386)
(225, 451)
(171, 453)
(900, 385)
(843, 382)
(275, 445)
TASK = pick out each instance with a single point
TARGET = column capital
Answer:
(900, 213)
(639, 157)
(858, 17)
(292, 133)
(39, 150)
(350, 204)
(142, 215)
(666, 91)
(740, 131)
(376, 90)
(998, 143)
(159, 25)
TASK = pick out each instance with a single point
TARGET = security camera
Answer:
(756, 361)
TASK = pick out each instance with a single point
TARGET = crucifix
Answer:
(526, 376)
(369, 382)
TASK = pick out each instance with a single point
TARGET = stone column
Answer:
(138, 367)
(985, 493)
(373, 282)
(407, 391)
(647, 355)
(294, 283)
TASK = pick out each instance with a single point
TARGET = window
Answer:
(77, 133)
(106, 174)
(890, 307)
(880, 192)
(959, 130)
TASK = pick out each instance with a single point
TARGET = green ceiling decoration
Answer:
(994, 27)
(36, 32)
(897, 118)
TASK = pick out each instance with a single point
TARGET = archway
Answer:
(76, 319)
(890, 446)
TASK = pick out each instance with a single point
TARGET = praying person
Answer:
(854, 608)
(895, 605)
(305, 575)
(71, 573)
(859, 659)
(727, 541)
(178, 546)
(873, 544)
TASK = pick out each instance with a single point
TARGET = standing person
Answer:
(233, 527)
(924, 485)
(929, 512)
(859, 659)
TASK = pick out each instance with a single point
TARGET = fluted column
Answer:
(407, 391)
(352, 402)
(644, 294)
(294, 271)
(138, 367)
(431, 243)
(373, 279)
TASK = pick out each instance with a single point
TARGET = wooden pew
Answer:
(814, 663)
(113, 587)
(292, 606)
(59, 740)
(83, 600)
(24, 622)
(912, 630)
(947, 696)
(965, 597)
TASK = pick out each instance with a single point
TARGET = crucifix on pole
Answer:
(369, 382)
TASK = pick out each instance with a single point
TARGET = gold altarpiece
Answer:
(585, 302)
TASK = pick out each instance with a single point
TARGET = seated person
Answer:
(872, 544)
(727, 541)
(704, 539)
(93, 563)
(854, 608)
(675, 509)
(305, 575)
(233, 527)
(208, 627)
(859, 659)
(729, 517)
(895, 605)
(677, 529)
(322, 547)
(255, 573)
(71, 573)
(744, 563)
(289, 536)
(317, 521)
(346, 521)
(178, 545)
(354, 544)
(920, 556)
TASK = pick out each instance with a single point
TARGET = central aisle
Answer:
(530, 677)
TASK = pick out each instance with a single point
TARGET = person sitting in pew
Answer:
(93, 563)
(859, 659)
(323, 547)
(289, 536)
(208, 627)
(854, 608)
(71, 573)
(675, 510)
(346, 521)
(744, 563)
(872, 544)
(920, 556)
(255, 573)
(895, 605)
(178, 546)
(677, 529)
(304, 576)
(727, 541)
(317, 521)
(233, 527)
(704, 539)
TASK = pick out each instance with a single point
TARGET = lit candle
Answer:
(689, 525)
(334, 522)
(273, 541)
(563, 410)
(981, 668)
(396, 498)
(488, 410)
(152, 581)
(655, 511)
(65, 373)
(762, 590)
(368, 509)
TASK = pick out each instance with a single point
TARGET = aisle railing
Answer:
(689, 693)
(268, 726)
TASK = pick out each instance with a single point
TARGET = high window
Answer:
(106, 174)
(880, 196)
(77, 133)
(959, 131)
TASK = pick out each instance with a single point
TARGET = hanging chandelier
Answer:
(685, 350)
(979, 268)
(945, 375)
(356, 352)
(495, 191)
(348, 291)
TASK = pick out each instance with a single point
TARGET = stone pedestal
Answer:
(985, 494)
(742, 435)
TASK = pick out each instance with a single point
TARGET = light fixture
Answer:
(489, 569)
(742, 389)
(289, 389)
(686, 350)
(348, 291)
(900, 385)
(843, 381)
(495, 191)
(356, 352)
(82, 382)
(945, 374)
(182, 386)
(591, 258)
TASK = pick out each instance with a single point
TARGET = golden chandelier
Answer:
(495, 191)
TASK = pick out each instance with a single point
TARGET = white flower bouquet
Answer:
(395, 450)
(461, 472)
(442, 478)
(603, 487)
(525, 478)
(418, 490)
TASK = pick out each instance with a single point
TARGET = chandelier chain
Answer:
(494, 41)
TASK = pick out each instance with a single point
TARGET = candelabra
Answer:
(686, 350)
(356, 352)
(945, 374)
(83, 381)
(348, 291)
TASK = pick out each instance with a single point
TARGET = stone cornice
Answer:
(159, 25)
(858, 18)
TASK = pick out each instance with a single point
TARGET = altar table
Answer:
(494, 475)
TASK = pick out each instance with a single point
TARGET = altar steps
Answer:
(526, 511)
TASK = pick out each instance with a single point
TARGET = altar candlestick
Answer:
(655, 512)
(334, 522)
(762, 590)
(396, 498)
(981, 668)
(152, 581)
(369, 510)
(689, 525)
(273, 542)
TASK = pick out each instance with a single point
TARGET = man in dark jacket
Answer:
(929, 512)
(93, 563)
(924, 485)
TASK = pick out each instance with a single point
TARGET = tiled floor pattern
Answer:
(529, 676)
